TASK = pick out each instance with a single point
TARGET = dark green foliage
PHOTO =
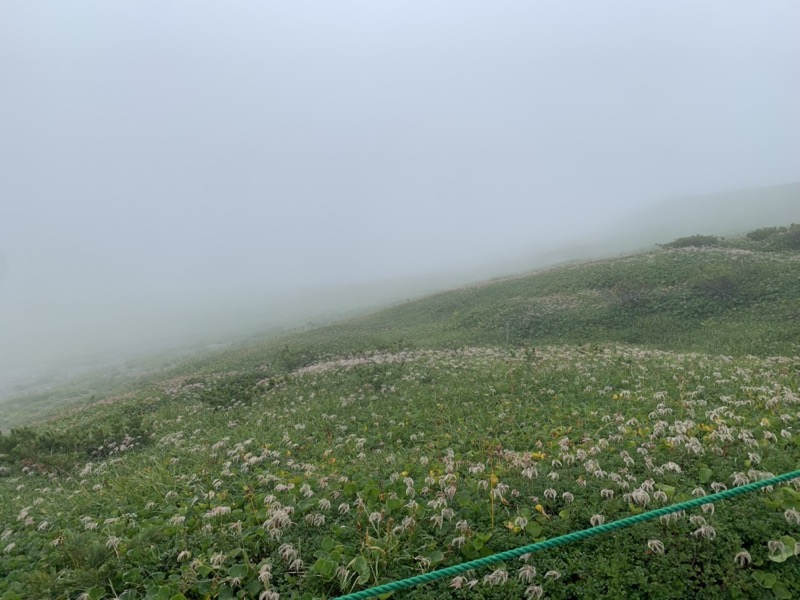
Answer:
(694, 241)
(777, 239)
(721, 288)
(59, 448)
(228, 390)
(290, 359)
(789, 240)
(759, 235)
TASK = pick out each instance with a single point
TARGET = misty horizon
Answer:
(175, 170)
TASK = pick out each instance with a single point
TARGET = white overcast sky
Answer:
(156, 152)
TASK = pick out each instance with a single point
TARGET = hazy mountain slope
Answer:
(738, 297)
(725, 213)
(735, 298)
(29, 361)
(438, 431)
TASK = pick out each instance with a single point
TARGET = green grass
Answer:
(437, 431)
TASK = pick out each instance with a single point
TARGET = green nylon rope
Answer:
(566, 539)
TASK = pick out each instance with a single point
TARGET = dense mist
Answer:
(176, 172)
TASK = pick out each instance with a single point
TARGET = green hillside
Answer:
(737, 296)
(437, 431)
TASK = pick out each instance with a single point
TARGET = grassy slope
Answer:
(739, 297)
(366, 456)
(736, 298)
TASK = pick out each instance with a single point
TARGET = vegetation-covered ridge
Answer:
(442, 430)
(737, 296)
(355, 471)
(701, 293)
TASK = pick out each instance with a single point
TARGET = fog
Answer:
(175, 171)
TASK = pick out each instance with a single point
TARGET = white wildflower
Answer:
(526, 573)
(705, 531)
(552, 575)
(743, 558)
(497, 577)
(534, 592)
(775, 546)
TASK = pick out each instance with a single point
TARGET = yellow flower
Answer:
(512, 527)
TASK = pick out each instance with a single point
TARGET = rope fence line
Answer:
(567, 539)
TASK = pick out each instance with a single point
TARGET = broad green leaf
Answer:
(95, 593)
(781, 591)
(165, 592)
(254, 587)
(239, 570)
(533, 528)
(667, 489)
(132, 576)
(435, 557)
(361, 566)
(765, 580)
(325, 568)
(328, 544)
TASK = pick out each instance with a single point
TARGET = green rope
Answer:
(566, 539)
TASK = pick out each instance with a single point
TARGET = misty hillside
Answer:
(48, 338)
(434, 432)
(719, 296)
(297, 299)
(731, 296)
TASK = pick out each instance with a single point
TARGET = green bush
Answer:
(240, 389)
(722, 288)
(758, 235)
(291, 359)
(693, 241)
(792, 238)
(778, 239)
(60, 449)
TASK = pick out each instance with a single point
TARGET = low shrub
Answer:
(759, 235)
(693, 241)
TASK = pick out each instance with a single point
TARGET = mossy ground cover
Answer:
(392, 445)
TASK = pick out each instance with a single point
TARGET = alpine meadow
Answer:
(438, 431)
(399, 299)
